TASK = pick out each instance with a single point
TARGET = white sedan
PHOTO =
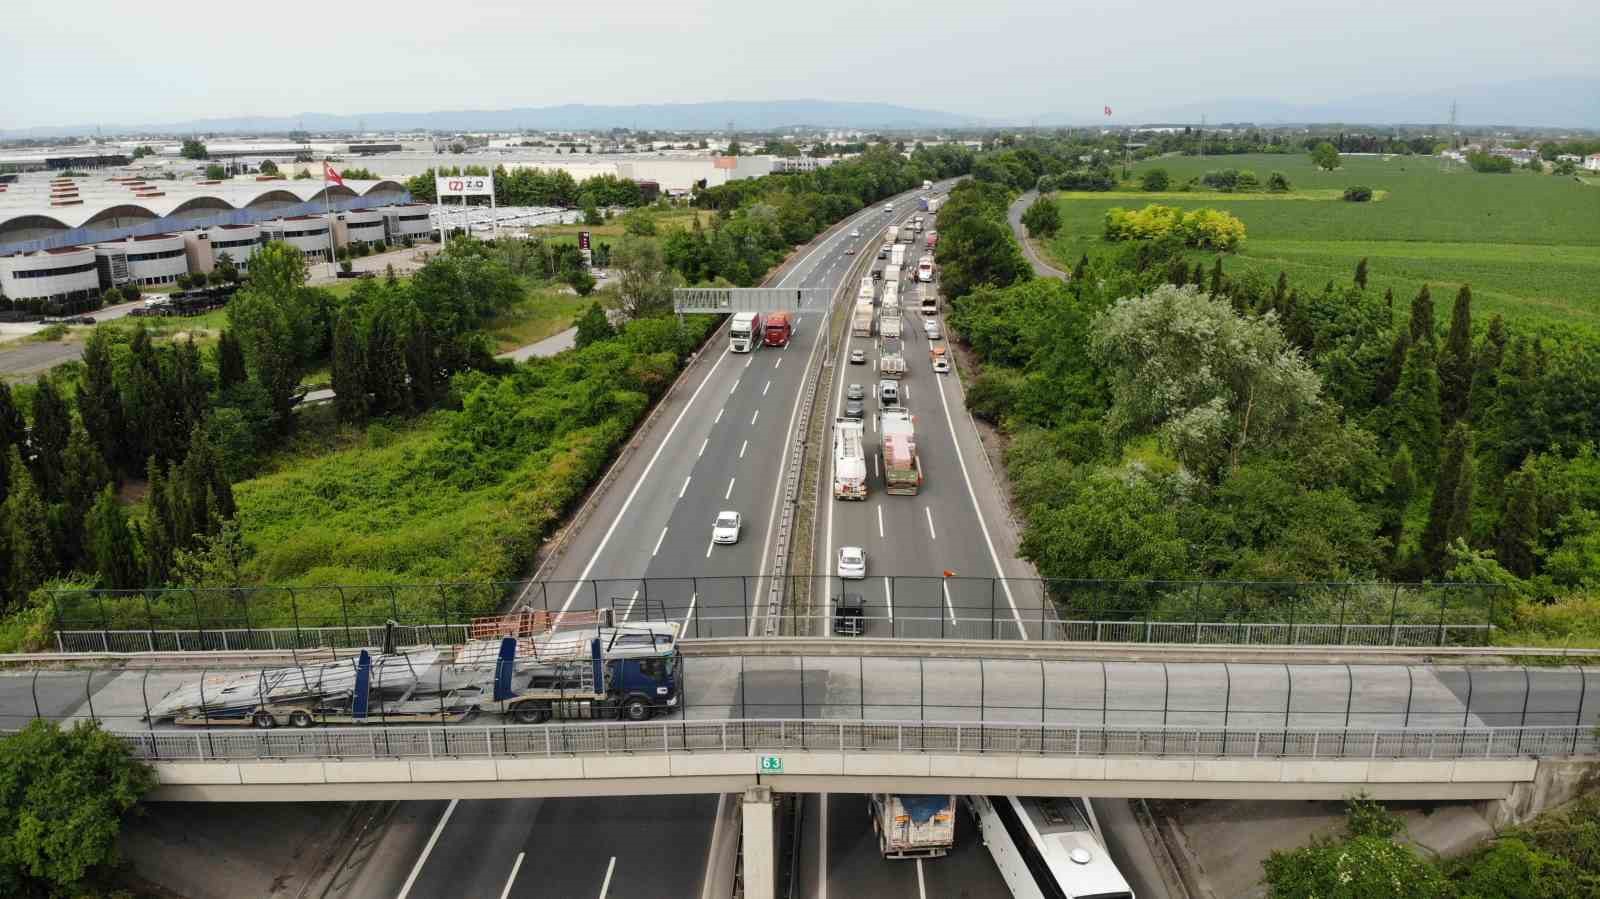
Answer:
(852, 562)
(726, 528)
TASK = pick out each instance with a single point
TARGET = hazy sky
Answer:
(113, 61)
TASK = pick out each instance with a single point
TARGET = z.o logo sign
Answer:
(464, 186)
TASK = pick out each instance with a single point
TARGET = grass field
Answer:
(541, 313)
(1529, 245)
(665, 219)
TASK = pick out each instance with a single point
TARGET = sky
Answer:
(109, 61)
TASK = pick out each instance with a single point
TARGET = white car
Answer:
(931, 329)
(856, 233)
(726, 529)
(852, 562)
(888, 207)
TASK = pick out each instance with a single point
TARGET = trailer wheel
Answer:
(264, 720)
(531, 713)
(300, 718)
(635, 708)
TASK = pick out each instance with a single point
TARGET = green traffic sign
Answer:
(772, 764)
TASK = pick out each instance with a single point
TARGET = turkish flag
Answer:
(328, 174)
(1108, 110)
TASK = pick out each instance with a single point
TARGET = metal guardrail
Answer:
(1199, 633)
(848, 736)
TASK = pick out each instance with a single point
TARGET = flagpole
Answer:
(327, 205)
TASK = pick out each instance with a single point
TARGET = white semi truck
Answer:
(910, 826)
(849, 460)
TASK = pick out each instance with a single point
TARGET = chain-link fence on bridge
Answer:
(1232, 612)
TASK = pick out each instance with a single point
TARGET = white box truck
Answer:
(910, 826)
(849, 460)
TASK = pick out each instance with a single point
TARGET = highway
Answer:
(717, 443)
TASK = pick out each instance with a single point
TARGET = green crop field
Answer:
(1529, 245)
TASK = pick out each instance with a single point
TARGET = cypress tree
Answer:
(1486, 368)
(99, 401)
(349, 366)
(1397, 497)
(1177, 273)
(157, 532)
(13, 430)
(84, 475)
(386, 366)
(188, 387)
(1450, 509)
(1517, 534)
(230, 361)
(1216, 278)
(1415, 408)
(1199, 276)
(1281, 291)
(111, 543)
(52, 427)
(1422, 316)
(1389, 378)
(27, 526)
(1361, 273)
(1455, 363)
(420, 364)
(1388, 302)
(1078, 271)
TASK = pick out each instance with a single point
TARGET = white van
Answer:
(889, 394)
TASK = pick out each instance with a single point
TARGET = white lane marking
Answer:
(988, 541)
(730, 488)
(822, 850)
(931, 534)
(944, 584)
(780, 361)
(766, 388)
(422, 859)
(628, 615)
(719, 415)
(880, 522)
(876, 459)
(922, 888)
(736, 383)
(905, 391)
(755, 416)
(605, 886)
(685, 488)
(888, 600)
(747, 365)
(709, 545)
(515, 867)
(658, 542)
(702, 448)
(690, 613)
(742, 447)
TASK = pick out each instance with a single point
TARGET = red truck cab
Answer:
(779, 329)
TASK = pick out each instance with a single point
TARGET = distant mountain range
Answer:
(745, 116)
(1550, 102)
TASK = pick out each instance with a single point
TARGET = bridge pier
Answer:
(760, 843)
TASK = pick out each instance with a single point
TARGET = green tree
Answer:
(1155, 180)
(591, 216)
(156, 534)
(1397, 496)
(1325, 156)
(268, 167)
(84, 475)
(111, 543)
(1357, 866)
(13, 431)
(1414, 409)
(64, 794)
(1449, 512)
(1421, 321)
(268, 340)
(1456, 361)
(100, 401)
(194, 149)
(230, 361)
(644, 283)
(27, 525)
(1516, 535)
(1042, 218)
(226, 271)
(1361, 273)
(581, 282)
(216, 172)
(52, 427)
(1277, 183)
(348, 369)
(1486, 367)
(593, 327)
(1209, 382)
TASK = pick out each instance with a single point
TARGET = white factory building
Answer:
(58, 275)
(153, 260)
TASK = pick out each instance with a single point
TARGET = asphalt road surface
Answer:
(1014, 214)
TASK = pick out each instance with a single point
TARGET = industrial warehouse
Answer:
(64, 238)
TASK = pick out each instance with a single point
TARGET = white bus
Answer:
(1048, 847)
(744, 333)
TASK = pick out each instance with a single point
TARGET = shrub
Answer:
(1155, 180)
(1358, 194)
(1225, 180)
(1085, 181)
(1201, 228)
(1247, 180)
(344, 265)
(1277, 183)
(1489, 165)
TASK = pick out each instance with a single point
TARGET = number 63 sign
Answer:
(464, 185)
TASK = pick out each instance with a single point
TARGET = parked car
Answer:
(726, 528)
(852, 562)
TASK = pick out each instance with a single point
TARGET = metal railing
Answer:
(847, 736)
(896, 606)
